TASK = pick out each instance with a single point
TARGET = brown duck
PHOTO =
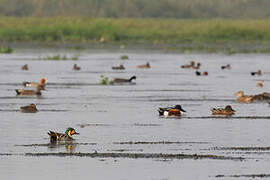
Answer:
(25, 67)
(29, 109)
(121, 67)
(243, 98)
(228, 111)
(144, 66)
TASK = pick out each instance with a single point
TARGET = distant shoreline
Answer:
(176, 48)
(215, 35)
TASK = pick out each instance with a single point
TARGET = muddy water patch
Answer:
(159, 142)
(138, 156)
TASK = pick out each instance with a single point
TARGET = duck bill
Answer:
(182, 110)
(76, 133)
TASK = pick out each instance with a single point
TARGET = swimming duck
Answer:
(41, 84)
(25, 67)
(259, 72)
(205, 73)
(260, 84)
(192, 64)
(197, 66)
(228, 66)
(120, 80)
(121, 67)
(171, 111)
(76, 67)
(228, 111)
(29, 109)
(144, 66)
(243, 98)
(29, 92)
(55, 136)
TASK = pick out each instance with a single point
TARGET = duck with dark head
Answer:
(120, 80)
(67, 136)
(171, 111)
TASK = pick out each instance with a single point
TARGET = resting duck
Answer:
(144, 66)
(171, 111)
(29, 92)
(29, 109)
(260, 84)
(55, 136)
(120, 80)
(121, 67)
(205, 73)
(259, 72)
(228, 111)
(76, 67)
(192, 64)
(41, 84)
(262, 97)
(25, 67)
(228, 66)
(243, 98)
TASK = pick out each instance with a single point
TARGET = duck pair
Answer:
(250, 98)
(67, 136)
(191, 65)
(39, 86)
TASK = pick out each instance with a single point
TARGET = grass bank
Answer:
(141, 31)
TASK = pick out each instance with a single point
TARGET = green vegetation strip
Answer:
(192, 34)
(137, 155)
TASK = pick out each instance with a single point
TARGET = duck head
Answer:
(70, 131)
(179, 107)
(43, 81)
(239, 94)
(229, 108)
(133, 77)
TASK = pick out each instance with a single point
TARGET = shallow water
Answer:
(117, 119)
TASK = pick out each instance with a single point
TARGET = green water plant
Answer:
(124, 57)
(59, 57)
(105, 80)
(6, 50)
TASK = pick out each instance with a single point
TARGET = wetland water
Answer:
(121, 134)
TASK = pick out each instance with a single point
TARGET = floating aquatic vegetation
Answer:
(105, 80)
(59, 57)
(124, 57)
(6, 50)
